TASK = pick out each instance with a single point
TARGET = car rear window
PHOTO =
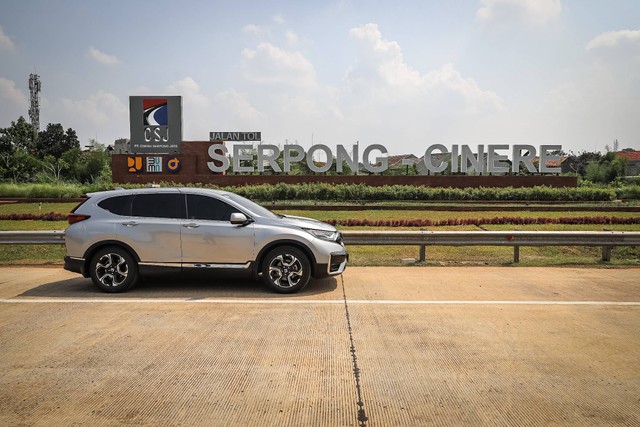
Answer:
(119, 205)
(158, 205)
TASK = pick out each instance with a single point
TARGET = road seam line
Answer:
(362, 418)
(22, 300)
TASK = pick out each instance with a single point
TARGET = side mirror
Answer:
(238, 218)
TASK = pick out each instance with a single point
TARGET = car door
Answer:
(210, 240)
(152, 229)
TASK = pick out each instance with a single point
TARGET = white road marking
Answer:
(28, 300)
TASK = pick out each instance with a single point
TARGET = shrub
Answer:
(629, 192)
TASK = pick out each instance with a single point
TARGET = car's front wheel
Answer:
(113, 269)
(286, 270)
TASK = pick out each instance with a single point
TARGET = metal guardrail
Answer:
(45, 237)
(604, 239)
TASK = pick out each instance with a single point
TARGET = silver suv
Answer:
(115, 236)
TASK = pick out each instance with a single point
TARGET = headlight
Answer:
(331, 236)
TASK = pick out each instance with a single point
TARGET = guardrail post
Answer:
(423, 253)
(516, 254)
(606, 253)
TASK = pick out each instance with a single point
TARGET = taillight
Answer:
(73, 218)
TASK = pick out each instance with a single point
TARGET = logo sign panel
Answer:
(155, 112)
(156, 124)
(173, 165)
(154, 164)
(134, 164)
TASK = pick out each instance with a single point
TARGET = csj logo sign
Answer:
(156, 123)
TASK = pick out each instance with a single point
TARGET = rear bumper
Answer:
(75, 265)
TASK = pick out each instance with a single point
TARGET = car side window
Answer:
(119, 205)
(209, 208)
(158, 205)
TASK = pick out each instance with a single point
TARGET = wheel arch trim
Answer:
(279, 243)
(91, 251)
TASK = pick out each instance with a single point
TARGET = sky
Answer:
(404, 74)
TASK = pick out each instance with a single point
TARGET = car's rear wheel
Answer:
(113, 269)
(286, 270)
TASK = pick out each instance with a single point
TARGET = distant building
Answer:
(438, 158)
(633, 167)
(563, 164)
(396, 162)
(121, 146)
(402, 164)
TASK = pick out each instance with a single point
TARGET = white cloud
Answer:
(234, 109)
(99, 109)
(292, 38)
(196, 108)
(382, 75)
(381, 98)
(600, 103)
(190, 90)
(268, 64)
(278, 19)
(101, 115)
(500, 13)
(13, 102)
(5, 41)
(614, 39)
(101, 57)
(252, 29)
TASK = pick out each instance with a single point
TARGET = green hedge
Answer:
(327, 192)
(629, 192)
(347, 192)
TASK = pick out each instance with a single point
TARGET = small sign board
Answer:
(235, 136)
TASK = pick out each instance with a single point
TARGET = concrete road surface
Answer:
(400, 346)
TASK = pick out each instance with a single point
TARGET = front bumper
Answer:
(337, 264)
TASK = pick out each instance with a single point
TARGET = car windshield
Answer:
(251, 206)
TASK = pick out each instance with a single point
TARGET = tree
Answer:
(53, 141)
(19, 135)
(74, 161)
(52, 169)
(607, 169)
(17, 149)
(97, 163)
(20, 166)
(579, 163)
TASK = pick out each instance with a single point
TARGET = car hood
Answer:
(300, 221)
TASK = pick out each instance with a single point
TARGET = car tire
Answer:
(113, 269)
(286, 270)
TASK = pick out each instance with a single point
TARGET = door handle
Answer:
(130, 224)
(191, 225)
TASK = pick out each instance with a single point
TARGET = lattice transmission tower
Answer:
(34, 110)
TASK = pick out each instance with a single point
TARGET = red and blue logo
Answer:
(155, 112)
